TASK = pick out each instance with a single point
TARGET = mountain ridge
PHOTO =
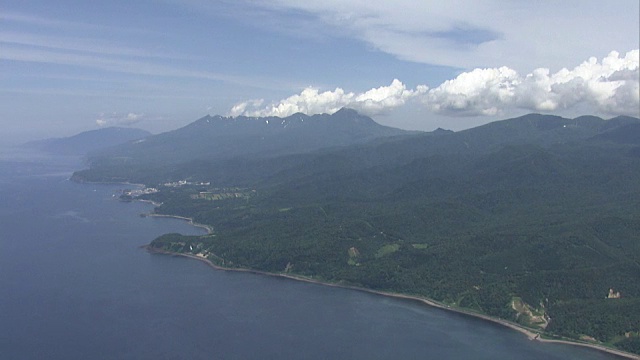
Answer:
(89, 141)
(402, 148)
(215, 137)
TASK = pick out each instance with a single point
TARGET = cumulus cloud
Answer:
(478, 92)
(378, 100)
(609, 86)
(118, 119)
(312, 101)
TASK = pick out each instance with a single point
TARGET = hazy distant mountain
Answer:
(216, 137)
(89, 141)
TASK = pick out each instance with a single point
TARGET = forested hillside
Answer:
(534, 219)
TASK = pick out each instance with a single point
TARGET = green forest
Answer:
(540, 211)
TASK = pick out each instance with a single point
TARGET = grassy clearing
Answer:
(386, 250)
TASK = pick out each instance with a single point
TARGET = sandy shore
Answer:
(530, 333)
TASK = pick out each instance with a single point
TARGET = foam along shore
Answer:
(531, 334)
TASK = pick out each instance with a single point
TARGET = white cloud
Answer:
(610, 86)
(479, 92)
(312, 101)
(469, 34)
(117, 119)
(309, 101)
(380, 99)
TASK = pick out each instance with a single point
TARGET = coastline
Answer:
(79, 181)
(208, 228)
(531, 334)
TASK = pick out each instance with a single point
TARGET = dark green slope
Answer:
(625, 134)
(540, 210)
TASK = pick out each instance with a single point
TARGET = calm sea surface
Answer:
(74, 284)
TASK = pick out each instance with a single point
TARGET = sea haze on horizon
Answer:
(76, 285)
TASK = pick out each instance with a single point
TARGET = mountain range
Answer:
(89, 141)
(218, 137)
(534, 219)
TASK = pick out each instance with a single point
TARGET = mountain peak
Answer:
(441, 131)
(347, 111)
(351, 115)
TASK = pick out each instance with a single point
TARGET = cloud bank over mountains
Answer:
(312, 101)
(610, 86)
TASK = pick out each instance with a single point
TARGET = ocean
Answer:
(75, 284)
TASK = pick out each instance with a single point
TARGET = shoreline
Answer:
(530, 333)
(208, 228)
(104, 182)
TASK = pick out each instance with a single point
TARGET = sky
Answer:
(68, 66)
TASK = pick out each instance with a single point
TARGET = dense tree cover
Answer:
(560, 237)
(599, 318)
(539, 208)
(630, 344)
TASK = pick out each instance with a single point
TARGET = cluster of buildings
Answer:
(185, 182)
(138, 192)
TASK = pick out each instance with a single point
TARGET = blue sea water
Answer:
(75, 284)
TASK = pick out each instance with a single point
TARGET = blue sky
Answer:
(69, 66)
